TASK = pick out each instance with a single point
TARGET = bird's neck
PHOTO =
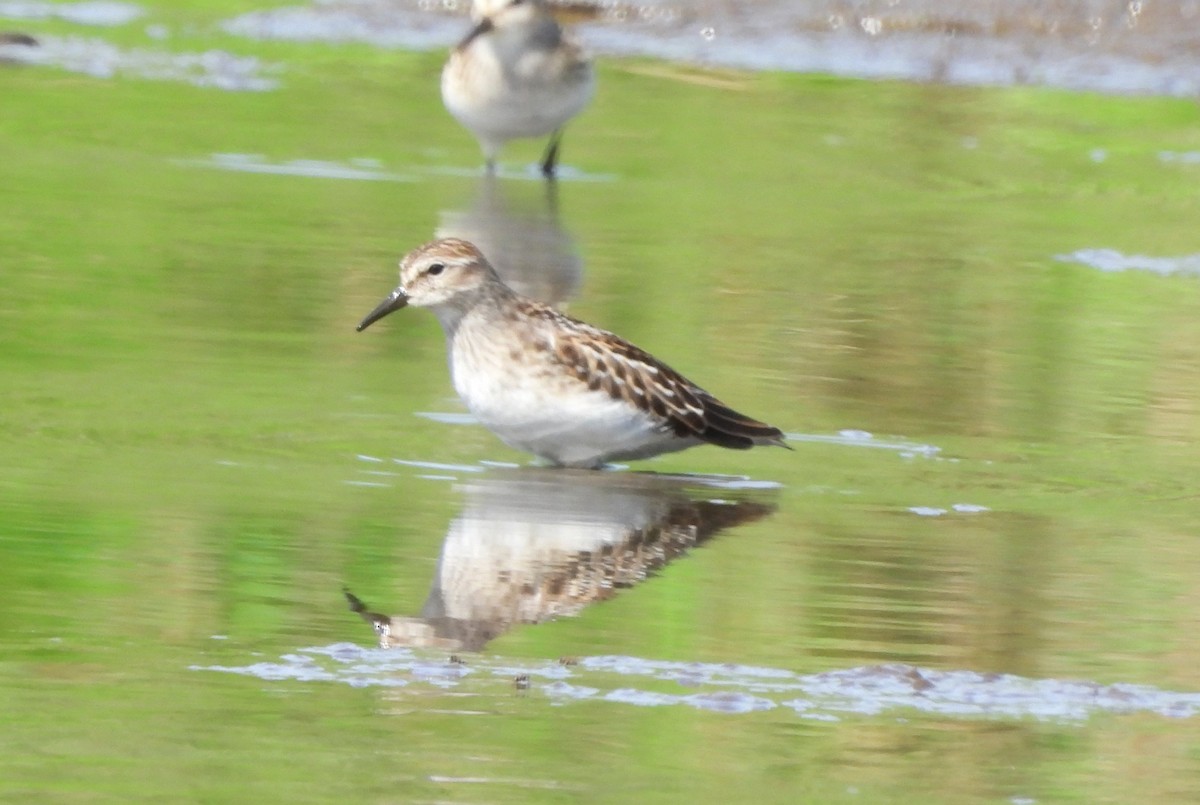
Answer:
(485, 301)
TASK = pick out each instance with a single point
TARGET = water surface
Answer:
(974, 311)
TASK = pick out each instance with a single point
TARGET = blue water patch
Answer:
(213, 69)
(359, 169)
(731, 689)
(98, 12)
(1113, 260)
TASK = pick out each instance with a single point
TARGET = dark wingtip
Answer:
(726, 427)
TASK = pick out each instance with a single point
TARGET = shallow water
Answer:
(974, 312)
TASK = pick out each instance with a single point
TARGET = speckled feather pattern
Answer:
(552, 385)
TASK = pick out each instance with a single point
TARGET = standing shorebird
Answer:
(516, 74)
(550, 385)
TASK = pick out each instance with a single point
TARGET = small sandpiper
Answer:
(516, 74)
(548, 384)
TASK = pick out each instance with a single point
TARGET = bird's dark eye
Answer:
(435, 269)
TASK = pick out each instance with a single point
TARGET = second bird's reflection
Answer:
(517, 226)
(531, 545)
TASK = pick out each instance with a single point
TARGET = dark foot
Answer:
(550, 159)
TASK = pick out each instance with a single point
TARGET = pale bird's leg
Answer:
(491, 150)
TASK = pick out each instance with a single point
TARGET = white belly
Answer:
(502, 100)
(557, 417)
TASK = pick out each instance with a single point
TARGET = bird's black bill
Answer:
(484, 26)
(395, 300)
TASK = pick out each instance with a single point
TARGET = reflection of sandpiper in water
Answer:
(570, 393)
(516, 74)
(532, 545)
(516, 224)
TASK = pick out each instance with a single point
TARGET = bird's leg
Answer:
(550, 159)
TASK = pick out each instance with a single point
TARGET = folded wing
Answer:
(611, 365)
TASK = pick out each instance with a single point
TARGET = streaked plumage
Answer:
(516, 74)
(551, 385)
(532, 545)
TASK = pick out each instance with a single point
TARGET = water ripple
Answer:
(729, 688)
(1113, 260)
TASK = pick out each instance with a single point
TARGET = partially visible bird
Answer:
(516, 74)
